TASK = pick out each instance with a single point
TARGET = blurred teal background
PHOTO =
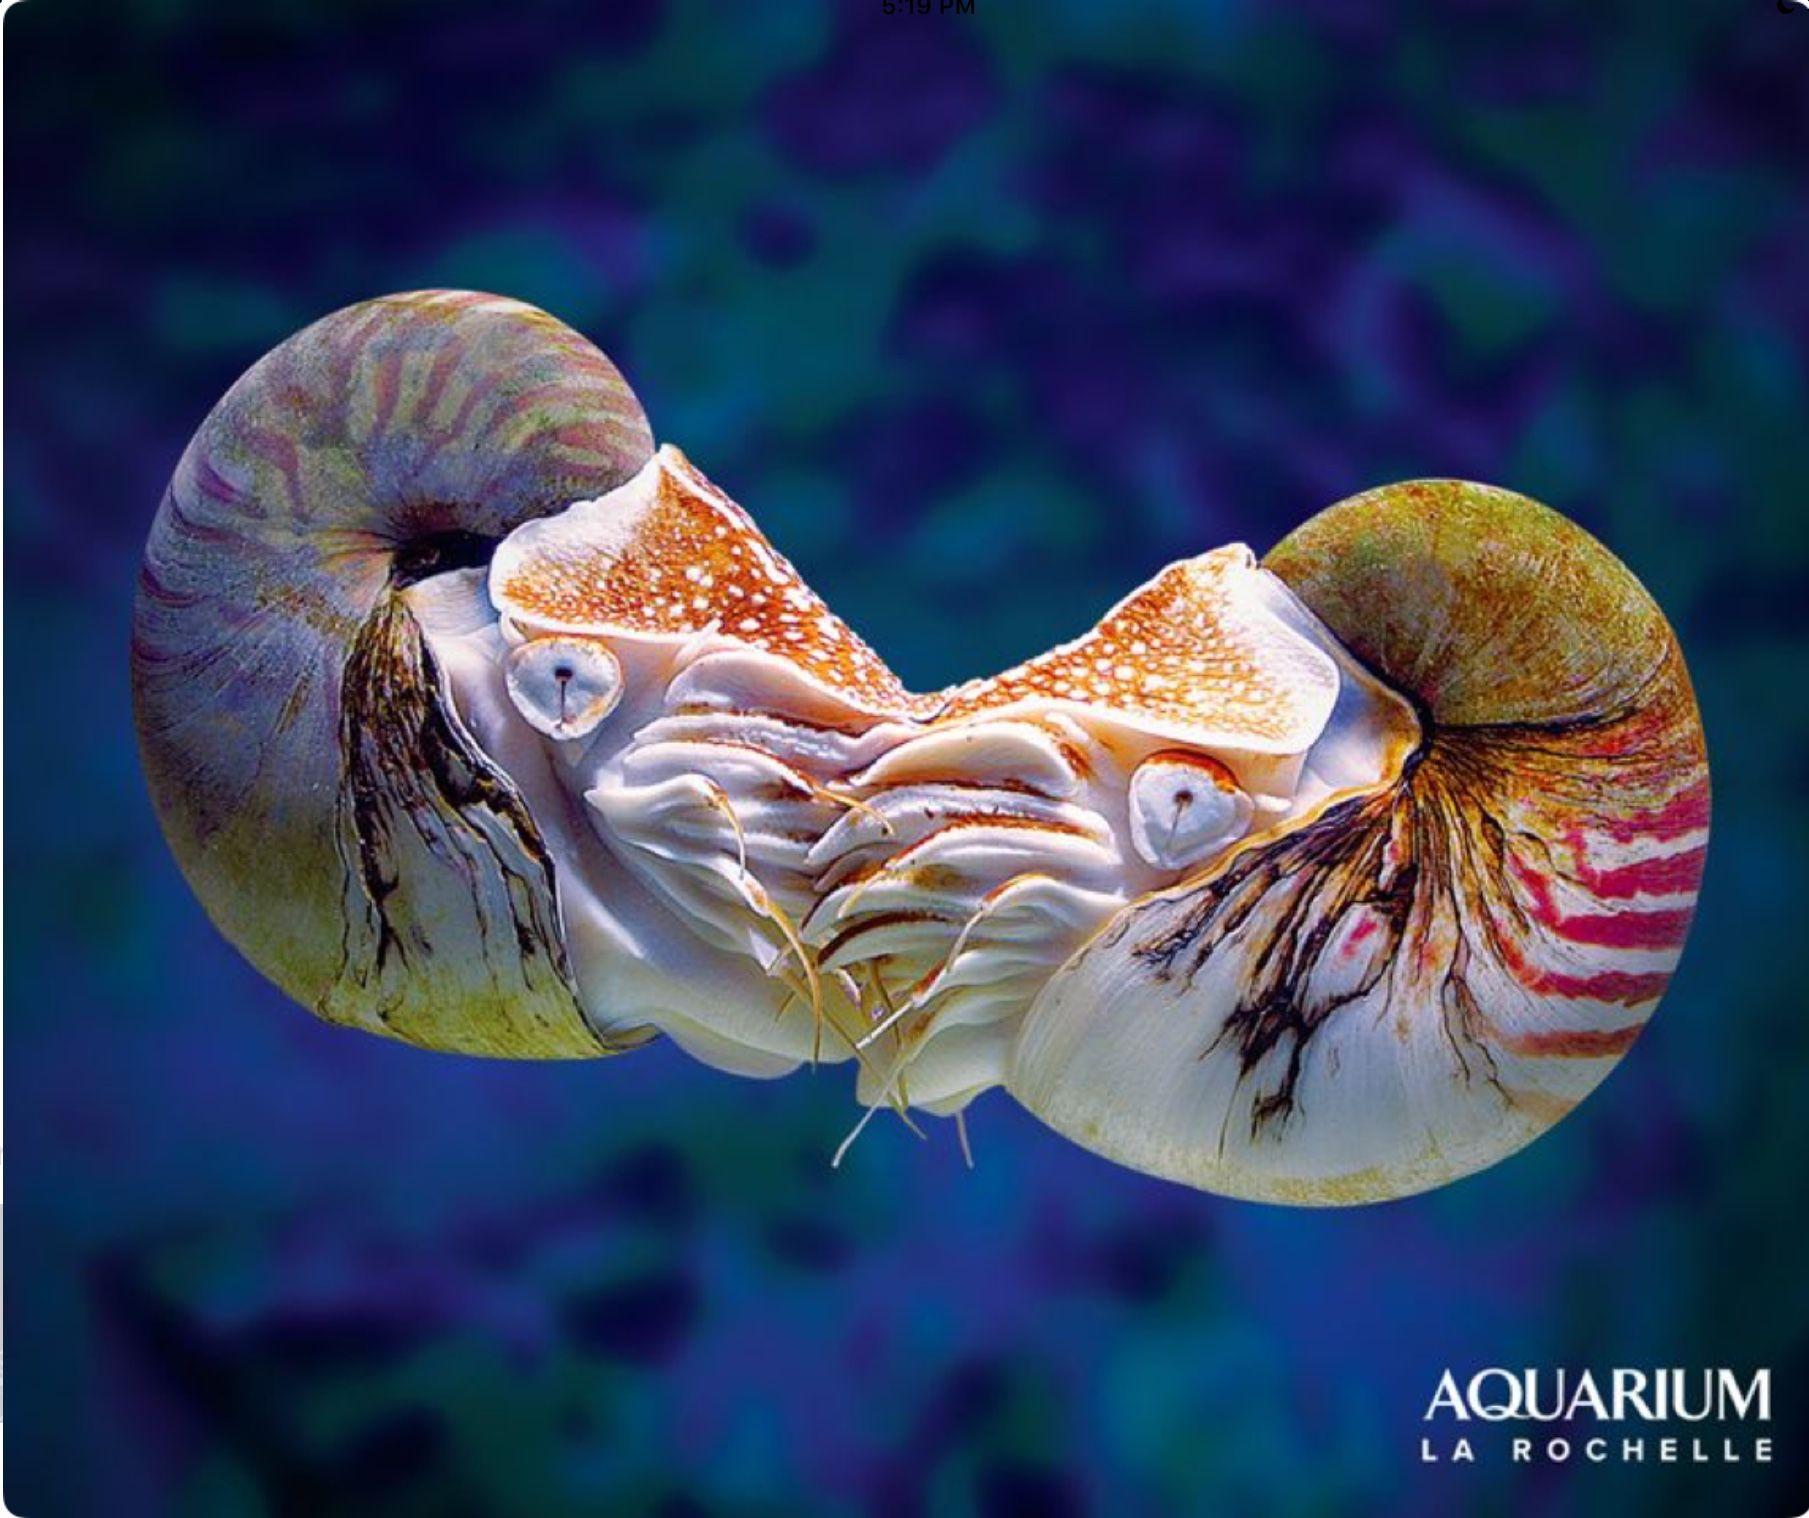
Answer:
(985, 318)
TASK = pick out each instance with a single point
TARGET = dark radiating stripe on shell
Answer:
(1458, 862)
(443, 865)
(1557, 819)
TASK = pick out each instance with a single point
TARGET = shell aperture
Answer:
(1322, 879)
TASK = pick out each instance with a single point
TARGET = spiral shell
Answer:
(1409, 982)
(320, 793)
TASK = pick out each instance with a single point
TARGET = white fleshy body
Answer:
(835, 868)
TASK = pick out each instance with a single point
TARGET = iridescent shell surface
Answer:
(327, 809)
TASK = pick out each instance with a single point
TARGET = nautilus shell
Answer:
(476, 720)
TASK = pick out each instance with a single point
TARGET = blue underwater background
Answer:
(985, 318)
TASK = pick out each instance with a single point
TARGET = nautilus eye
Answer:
(563, 687)
(1185, 808)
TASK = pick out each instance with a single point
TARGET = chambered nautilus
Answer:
(476, 720)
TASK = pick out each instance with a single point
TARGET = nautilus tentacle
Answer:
(326, 804)
(474, 719)
(1409, 981)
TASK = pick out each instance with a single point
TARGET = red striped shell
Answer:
(1409, 984)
